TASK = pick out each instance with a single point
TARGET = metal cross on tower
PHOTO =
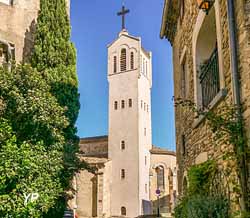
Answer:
(123, 13)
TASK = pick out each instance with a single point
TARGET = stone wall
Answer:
(199, 141)
(94, 147)
(17, 25)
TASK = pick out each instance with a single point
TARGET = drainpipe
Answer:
(236, 98)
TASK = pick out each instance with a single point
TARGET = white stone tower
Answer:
(130, 138)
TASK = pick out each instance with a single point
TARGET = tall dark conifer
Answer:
(55, 57)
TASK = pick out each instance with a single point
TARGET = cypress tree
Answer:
(55, 57)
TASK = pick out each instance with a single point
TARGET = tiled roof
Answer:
(158, 150)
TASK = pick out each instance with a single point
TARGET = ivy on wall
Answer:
(227, 128)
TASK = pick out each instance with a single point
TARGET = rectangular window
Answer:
(147, 108)
(145, 131)
(123, 104)
(146, 188)
(130, 102)
(123, 174)
(116, 105)
(145, 160)
(141, 104)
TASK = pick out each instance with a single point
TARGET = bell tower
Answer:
(130, 137)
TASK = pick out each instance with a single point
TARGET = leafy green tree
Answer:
(39, 106)
(31, 143)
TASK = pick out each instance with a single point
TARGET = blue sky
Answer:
(94, 25)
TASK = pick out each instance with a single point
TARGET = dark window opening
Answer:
(123, 59)
(123, 145)
(123, 211)
(130, 102)
(132, 60)
(123, 174)
(116, 105)
(115, 64)
(123, 104)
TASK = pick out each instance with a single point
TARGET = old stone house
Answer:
(17, 27)
(211, 62)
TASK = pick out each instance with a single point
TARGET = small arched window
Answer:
(116, 105)
(132, 61)
(123, 104)
(123, 211)
(123, 145)
(160, 177)
(123, 60)
(115, 64)
(123, 174)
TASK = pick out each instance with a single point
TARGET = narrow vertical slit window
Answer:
(132, 61)
(183, 144)
(183, 79)
(115, 64)
(130, 102)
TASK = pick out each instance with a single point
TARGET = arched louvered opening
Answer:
(123, 60)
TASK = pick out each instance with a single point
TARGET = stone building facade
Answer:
(204, 68)
(17, 27)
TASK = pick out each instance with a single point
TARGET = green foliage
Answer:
(39, 105)
(199, 177)
(202, 206)
(31, 143)
(226, 123)
(198, 201)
